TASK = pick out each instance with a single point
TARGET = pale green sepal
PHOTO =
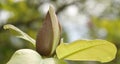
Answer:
(25, 56)
(19, 33)
(87, 50)
(56, 28)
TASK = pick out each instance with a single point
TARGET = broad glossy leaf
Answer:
(49, 35)
(19, 33)
(87, 50)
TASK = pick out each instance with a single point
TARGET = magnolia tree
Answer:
(50, 48)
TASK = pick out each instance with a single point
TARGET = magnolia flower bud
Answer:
(49, 35)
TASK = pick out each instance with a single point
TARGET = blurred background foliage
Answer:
(80, 19)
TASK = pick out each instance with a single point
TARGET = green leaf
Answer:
(49, 35)
(87, 50)
(19, 33)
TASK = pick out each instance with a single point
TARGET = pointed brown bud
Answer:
(49, 35)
